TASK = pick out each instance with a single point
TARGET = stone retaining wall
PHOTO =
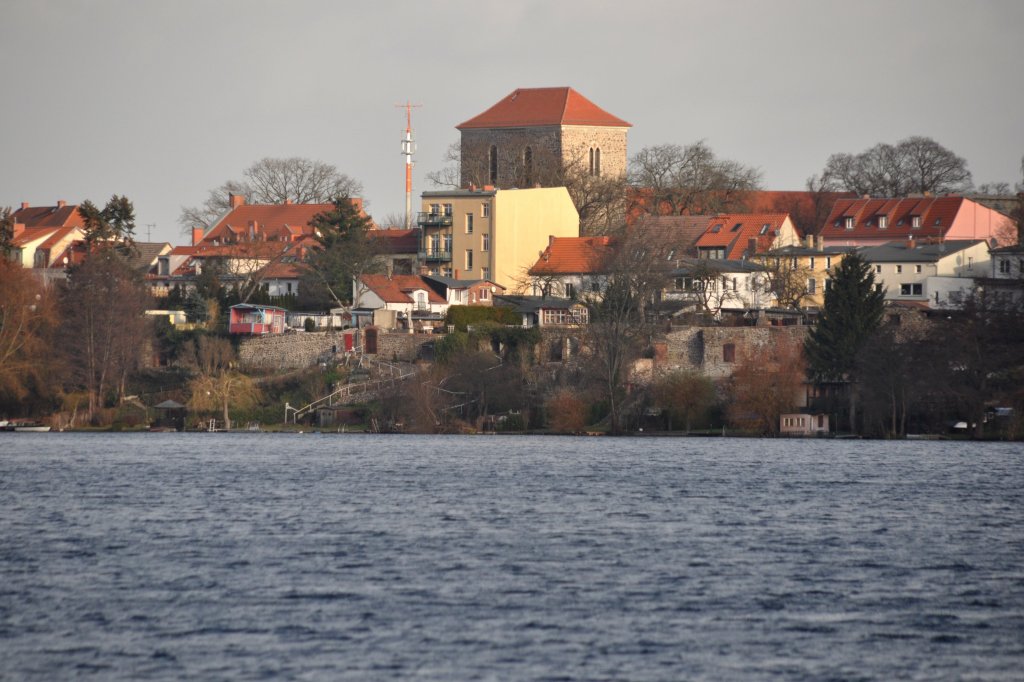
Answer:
(293, 350)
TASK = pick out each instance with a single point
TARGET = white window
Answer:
(899, 269)
(435, 209)
(485, 273)
(469, 259)
(485, 242)
(828, 262)
(917, 269)
(812, 286)
(883, 222)
(570, 290)
(910, 290)
(915, 221)
(848, 223)
(812, 263)
(485, 293)
(1004, 266)
(469, 223)
(878, 269)
(448, 210)
(485, 210)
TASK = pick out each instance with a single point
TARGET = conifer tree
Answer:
(852, 312)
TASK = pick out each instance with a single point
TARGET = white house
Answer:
(936, 274)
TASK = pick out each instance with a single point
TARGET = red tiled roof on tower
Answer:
(544, 107)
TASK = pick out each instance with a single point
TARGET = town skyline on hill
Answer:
(163, 103)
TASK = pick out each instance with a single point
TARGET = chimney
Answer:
(61, 203)
(24, 205)
(236, 200)
(752, 246)
(472, 187)
(288, 202)
(488, 188)
(821, 243)
(197, 235)
(18, 228)
(911, 244)
(551, 239)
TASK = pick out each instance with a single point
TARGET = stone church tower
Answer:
(535, 136)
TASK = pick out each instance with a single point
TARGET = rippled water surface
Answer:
(327, 557)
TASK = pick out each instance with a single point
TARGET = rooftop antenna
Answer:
(149, 231)
(408, 149)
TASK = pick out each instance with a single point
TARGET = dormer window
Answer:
(736, 227)
(848, 223)
(764, 228)
(883, 222)
(716, 228)
(938, 221)
(915, 221)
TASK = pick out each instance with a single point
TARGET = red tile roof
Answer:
(733, 232)
(397, 241)
(396, 289)
(936, 217)
(574, 256)
(270, 221)
(49, 216)
(543, 107)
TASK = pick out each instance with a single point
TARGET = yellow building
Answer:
(492, 234)
(800, 274)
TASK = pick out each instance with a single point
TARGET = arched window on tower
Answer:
(597, 161)
(528, 167)
(492, 164)
(591, 160)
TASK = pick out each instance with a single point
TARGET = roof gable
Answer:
(397, 288)
(49, 216)
(526, 107)
(733, 232)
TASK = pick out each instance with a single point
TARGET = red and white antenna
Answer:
(408, 149)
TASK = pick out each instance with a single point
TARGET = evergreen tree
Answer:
(346, 251)
(6, 233)
(115, 223)
(852, 312)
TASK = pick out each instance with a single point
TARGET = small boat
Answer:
(24, 426)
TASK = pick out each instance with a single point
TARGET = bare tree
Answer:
(670, 179)
(913, 165)
(27, 322)
(105, 326)
(620, 327)
(274, 181)
(218, 386)
(787, 278)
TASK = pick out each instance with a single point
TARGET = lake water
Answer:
(352, 557)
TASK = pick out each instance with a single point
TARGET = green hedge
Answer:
(464, 315)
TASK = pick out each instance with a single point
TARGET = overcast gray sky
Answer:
(162, 101)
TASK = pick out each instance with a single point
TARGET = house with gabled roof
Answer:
(935, 274)
(871, 221)
(531, 134)
(736, 236)
(42, 234)
(465, 291)
(243, 222)
(411, 299)
(572, 267)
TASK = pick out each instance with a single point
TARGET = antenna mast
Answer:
(408, 149)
